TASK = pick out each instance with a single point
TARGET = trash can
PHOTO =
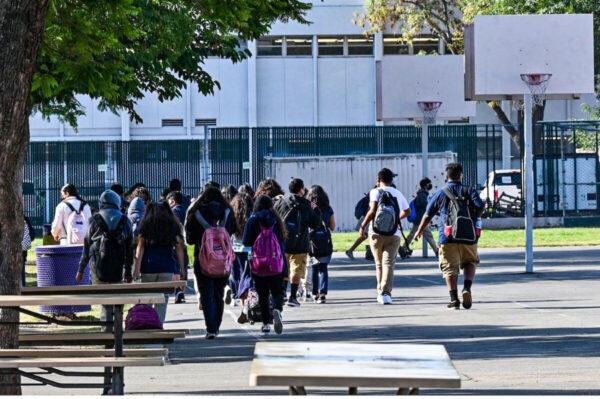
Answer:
(58, 265)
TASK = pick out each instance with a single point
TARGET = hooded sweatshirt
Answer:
(135, 213)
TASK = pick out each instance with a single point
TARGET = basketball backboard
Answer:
(499, 48)
(404, 80)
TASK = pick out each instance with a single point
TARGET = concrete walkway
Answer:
(526, 333)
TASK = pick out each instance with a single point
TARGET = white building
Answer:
(322, 74)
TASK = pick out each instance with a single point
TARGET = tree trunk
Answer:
(21, 31)
(514, 131)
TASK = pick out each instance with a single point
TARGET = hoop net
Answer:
(537, 84)
(429, 109)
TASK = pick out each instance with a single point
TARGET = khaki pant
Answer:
(161, 308)
(427, 235)
(297, 265)
(385, 250)
(454, 257)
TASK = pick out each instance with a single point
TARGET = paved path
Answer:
(526, 334)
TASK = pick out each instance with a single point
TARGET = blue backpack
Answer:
(412, 216)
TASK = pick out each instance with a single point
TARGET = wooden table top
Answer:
(140, 288)
(348, 364)
(80, 299)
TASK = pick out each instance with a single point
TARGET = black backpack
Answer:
(362, 207)
(293, 224)
(321, 244)
(459, 224)
(108, 252)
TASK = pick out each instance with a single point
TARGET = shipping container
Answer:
(347, 178)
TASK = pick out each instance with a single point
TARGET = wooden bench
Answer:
(51, 365)
(404, 367)
(133, 288)
(76, 353)
(99, 338)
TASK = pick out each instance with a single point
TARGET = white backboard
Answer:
(498, 48)
(404, 80)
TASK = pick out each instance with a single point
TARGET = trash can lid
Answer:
(58, 249)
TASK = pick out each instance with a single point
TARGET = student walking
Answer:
(271, 188)
(420, 205)
(360, 211)
(298, 215)
(160, 249)
(118, 188)
(209, 223)
(26, 243)
(387, 208)
(175, 185)
(459, 208)
(71, 218)
(175, 201)
(108, 247)
(139, 198)
(240, 279)
(321, 245)
(265, 233)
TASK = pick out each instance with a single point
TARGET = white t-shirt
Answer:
(374, 196)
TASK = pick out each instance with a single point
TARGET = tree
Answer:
(114, 51)
(446, 19)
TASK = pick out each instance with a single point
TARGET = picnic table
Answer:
(405, 367)
(117, 302)
(121, 288)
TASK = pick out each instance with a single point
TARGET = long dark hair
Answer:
(71, 191)
(211, 194)
(269, 187)
(242, 205)
(264, 202)
(318, 195)
(159, 226)
(229, 192)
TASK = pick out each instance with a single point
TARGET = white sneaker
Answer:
(277, 322)
(380, 299)
(228, 296)
(387, 300)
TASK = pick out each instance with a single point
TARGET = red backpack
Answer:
(216, 254)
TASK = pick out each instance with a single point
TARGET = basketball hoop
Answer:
(537, 84)
(429, 109)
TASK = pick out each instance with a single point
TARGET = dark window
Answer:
(426, 44)
(394, 45)
(269, 46)
(172, 122)
(360, 45)
(507, 179)
(205, 122)
(333, 45)
(298, 46)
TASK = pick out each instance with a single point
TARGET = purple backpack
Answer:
(142, 317)
(267, 259)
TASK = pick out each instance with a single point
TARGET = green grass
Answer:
(546, 237)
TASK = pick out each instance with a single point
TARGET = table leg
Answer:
(353, 391)
(297, 391)
(414, 391)
(109, 327)
(118, 375)
(407, 391)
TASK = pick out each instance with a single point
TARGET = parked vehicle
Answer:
(501, 183)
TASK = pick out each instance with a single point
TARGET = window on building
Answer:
(395, 45)
(426, 44)
(360, 45)
(331, 45)
(269, 46)
(298, 46)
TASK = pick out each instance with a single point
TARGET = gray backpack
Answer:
(387, 216)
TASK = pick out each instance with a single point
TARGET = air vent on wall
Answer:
(172, 122)
(205, 122)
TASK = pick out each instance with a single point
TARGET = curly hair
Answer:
(269, 187)
(242, 205)
(143, 193)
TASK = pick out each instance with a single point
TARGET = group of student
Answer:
(251, 246)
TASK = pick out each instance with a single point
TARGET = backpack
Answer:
(293, 224)
(216, 254)
(267, 258)
(459, 227)
(362, 207)
(321, 244)
(77, 225)
(254, 312)
(108, 252)
(412, 216)
(387, 216)
(142, 317)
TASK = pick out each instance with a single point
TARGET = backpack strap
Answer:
(82, 205)
(450, 194)
(101, 223)
(71, 207)
(205, 225)
(223, 222)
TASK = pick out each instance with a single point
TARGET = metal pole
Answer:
(563, 188)
(528, 173)
(205, 154)
(47, 181)
(425, 167)
(251, 132)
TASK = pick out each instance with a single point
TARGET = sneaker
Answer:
(277, 322)
(387, 300)
(307, 297)
(228, 295)
(211, 336)
(265, 329)
(350, 255)
(467, 299)
(180, 298)
(321, 299)
(380, 299)
(453, 305)
(243, 318)
(293, 302)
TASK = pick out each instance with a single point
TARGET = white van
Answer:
(502, 183)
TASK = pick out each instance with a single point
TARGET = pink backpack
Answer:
(216, 254)
(267, 259)
(142, 317)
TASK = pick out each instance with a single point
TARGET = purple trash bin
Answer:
(58, 265)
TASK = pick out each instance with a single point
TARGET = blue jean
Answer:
(211, 296)
(320, 278)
